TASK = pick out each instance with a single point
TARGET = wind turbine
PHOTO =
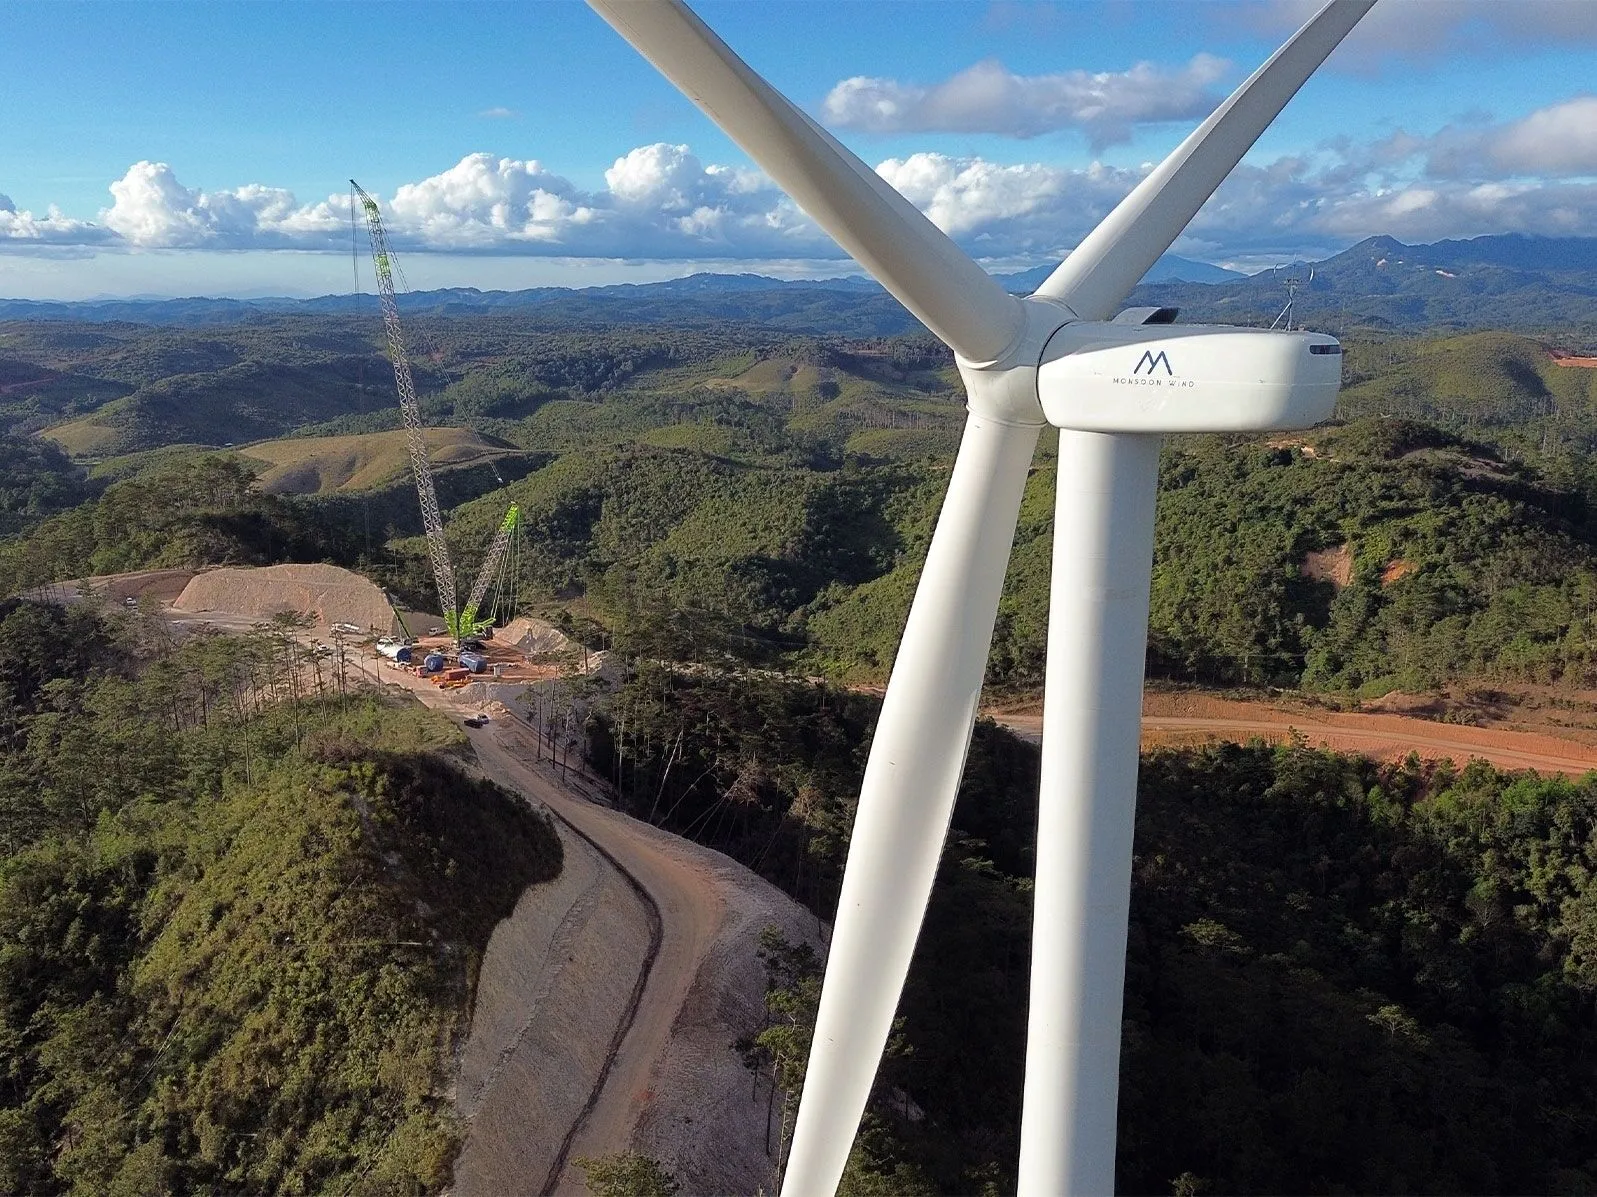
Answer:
(1112, 384)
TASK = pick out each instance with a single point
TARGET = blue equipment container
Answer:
(433, 662)
(472, 661)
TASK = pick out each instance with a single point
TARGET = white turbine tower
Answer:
(1112, 387)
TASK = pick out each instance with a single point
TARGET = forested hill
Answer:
(1342, 977)
(1495, 386)
(742, 494)
(236, 952)
(1515, 282)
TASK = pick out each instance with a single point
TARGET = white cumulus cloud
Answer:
(483, 201)
(1532, 174)
(658, 201)
(1558, 141)
(988, 98)
(1007, 210)
(24, 229)
(663, 191)
(152, 209)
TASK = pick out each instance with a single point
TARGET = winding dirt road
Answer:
(654, 1021)
(689, 908)
(1383, 736)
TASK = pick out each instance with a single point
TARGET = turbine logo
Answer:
(1153, 362)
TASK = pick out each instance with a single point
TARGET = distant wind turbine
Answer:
(1112, 384)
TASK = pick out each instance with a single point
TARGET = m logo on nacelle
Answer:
(1248, 379)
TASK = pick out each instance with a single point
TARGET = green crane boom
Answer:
(432, 521)
(508, 529)
(461, 622)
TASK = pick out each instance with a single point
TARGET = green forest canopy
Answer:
(741, 494)
(1343, 976)
(234, 958)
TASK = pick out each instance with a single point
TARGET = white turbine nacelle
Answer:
(1117, 376)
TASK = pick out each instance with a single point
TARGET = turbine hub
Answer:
(1005, 389)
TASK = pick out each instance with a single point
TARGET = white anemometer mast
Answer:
(1112, 387)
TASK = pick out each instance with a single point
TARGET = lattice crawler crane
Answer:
(462, 622)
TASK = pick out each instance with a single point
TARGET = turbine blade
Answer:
(907, 799)
(1100, 272)
(885, 233)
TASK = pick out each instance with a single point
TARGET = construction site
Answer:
(607, 1001)
(450, 649)
(483, 640)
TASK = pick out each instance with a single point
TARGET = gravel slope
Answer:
(677, 1090)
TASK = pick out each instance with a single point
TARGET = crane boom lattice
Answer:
(508, 528)
(415, 440)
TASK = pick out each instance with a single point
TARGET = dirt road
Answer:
(576, 1061)
(1171, 720)
(690, 910)
(670, 1085)
(558, 987)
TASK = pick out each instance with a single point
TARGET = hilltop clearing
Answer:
(323, 593)
(319, 465)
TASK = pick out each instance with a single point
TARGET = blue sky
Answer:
(176, 148)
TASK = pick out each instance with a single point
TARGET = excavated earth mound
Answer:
(536, 638)
(326, 593)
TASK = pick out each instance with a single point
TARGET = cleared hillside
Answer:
(323, 464)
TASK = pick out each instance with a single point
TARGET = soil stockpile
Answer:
(326, 593)
(536, 638)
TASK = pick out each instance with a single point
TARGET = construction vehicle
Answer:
(501, 567)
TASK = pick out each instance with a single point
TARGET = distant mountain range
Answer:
(1507, 282)
(1511, 281)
